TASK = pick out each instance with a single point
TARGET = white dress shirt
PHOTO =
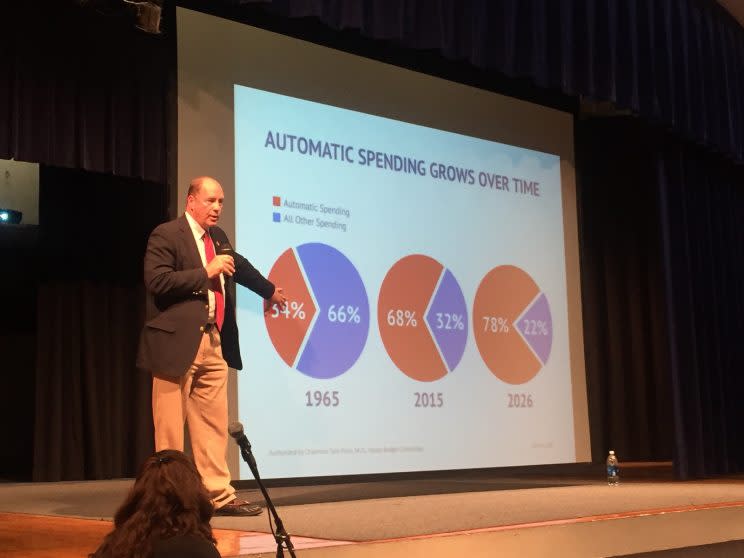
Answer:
(199, 233)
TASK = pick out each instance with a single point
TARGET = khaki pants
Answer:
(199, 399)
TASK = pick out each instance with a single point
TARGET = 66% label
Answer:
(344, 314)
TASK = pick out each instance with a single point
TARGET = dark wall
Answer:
(19, 283)
(623, 292)
(75, 300)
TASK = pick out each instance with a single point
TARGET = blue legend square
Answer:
(277, 217)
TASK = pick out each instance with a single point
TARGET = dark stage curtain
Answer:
(662, 249)
(93, 417)
(702, 217)
(624, 307)
(19, 283)
(678, 62)
(80, 89)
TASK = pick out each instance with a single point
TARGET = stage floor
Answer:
(473, 515)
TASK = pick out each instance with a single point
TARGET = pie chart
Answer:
(323, 329)
(513, 325)
(422, 318)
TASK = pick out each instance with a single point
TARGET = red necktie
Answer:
(215, 285)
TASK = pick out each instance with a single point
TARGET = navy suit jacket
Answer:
(177, 305)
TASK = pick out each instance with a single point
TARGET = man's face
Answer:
(206, 205)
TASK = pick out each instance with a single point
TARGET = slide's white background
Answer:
(468, 229)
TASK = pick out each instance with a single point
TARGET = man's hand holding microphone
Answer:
(220, 264)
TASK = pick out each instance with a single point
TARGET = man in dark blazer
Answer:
(190, 337)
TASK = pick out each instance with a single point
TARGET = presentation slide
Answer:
(427, 321)
(424, 233)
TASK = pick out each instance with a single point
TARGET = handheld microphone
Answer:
(223, 248)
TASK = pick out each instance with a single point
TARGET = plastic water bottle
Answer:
(613, 470)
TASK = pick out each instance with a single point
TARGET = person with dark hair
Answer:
(166, 513)
(190, 336)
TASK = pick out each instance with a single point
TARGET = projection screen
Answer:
(425, 233)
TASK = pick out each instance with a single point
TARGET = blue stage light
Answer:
(10, 216)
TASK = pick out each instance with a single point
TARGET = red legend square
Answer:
(277, 200)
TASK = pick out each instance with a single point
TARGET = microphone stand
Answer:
(280, 536)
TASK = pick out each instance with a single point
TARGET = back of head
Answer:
(168, 499)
